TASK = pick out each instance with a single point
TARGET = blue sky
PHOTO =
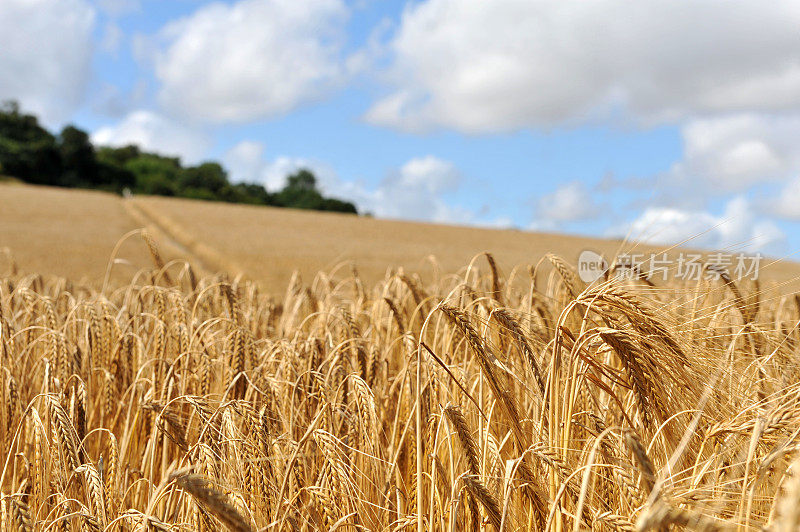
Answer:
(665, 120)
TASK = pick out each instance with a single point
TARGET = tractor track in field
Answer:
(163, 228)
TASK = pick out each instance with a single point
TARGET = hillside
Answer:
(72, 233)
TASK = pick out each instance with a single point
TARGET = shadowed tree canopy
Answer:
(303, 179)
(78, 163)
(27, 150)
(31, 153)
(301, 192)
(209, 176)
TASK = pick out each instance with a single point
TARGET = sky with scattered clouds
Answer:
(665, 120)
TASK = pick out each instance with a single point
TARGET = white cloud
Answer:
(275, 172)
(787, 204)
(414, 192)
(428, 173)
(246, 162)
(111, 101)
(252, 59)
(737, 151)
(116, 8)
(569, 202)
(156, 133)
(45, 54)
(482, 66)
(738, 228)
(112, 38)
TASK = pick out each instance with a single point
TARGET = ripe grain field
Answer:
(466, 400)
(67, 233)
(72, 233)
(269, 244)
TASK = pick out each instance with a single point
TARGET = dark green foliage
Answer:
(337, 205)
(255, 194)
(27, 150)
(302, 180)
(112, 170)
(117, 156)
(199, 193)
(155, 174)
(31, 153)
(78, 163)
(301, 192)
(209, 176)
(114, 178)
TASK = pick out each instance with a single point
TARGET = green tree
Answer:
(111, 167)
(78, 162)
(117, 156)
(114, 178)
(254, 194)
(301, 180)
(337, 205)
(155, 174)
(301, 192)
(27, 150)
(209, 176)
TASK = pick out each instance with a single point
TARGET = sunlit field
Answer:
(404, 266)
(74, 233)
(185, 399)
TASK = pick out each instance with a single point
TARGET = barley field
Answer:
(477, 400)
(66, 233)
(72, 233)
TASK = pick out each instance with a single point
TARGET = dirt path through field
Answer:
(200, 254)
(162, 238)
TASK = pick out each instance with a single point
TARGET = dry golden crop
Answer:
(473, 402)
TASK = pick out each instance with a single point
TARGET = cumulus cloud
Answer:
(247, 162)
(429, 173)
(117, 8)
(112, 38)
(415, 192)
(157, 133)
(46, 54)
(252, 59)
(788, 203)
(275, 172)
(114, 102)
(568, 203)
(738, 151)
(738, 228)
(486, 66)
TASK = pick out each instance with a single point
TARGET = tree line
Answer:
(31, 153)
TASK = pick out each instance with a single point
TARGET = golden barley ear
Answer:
(19, 514)
(487, 500)
(156, 255)
(571, 280)
(212, 500)
(648, 476)
(468, 444)
(497, 293)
